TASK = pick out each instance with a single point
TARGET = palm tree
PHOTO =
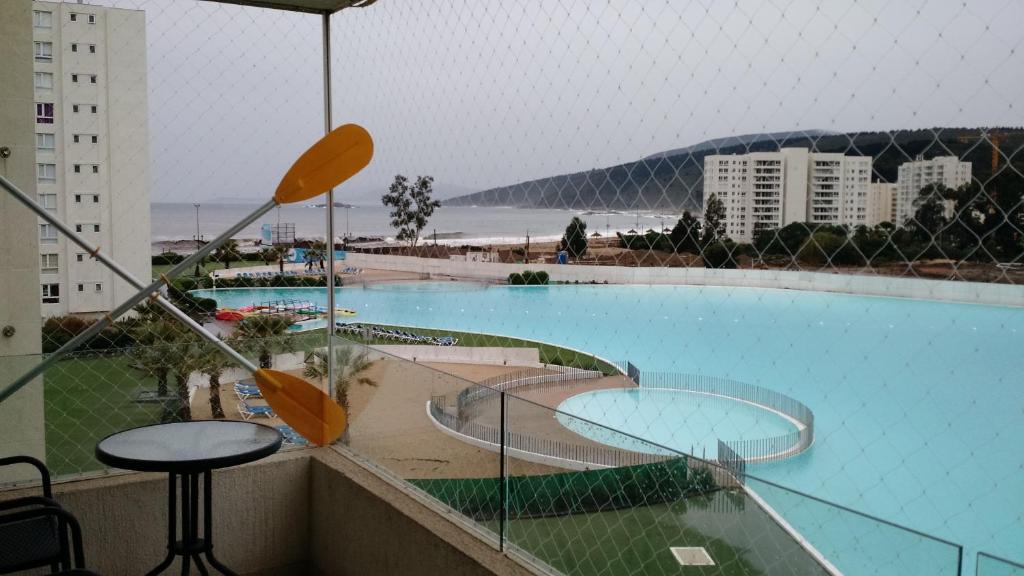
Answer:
(211, 362)
(184, 355)
(349, 363)
(265, 335)
(153, 338)
(227, 253)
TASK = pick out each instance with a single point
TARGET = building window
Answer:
(45, 142)
(74, 78)
(78, 168)
(46, 173)
(95, 227)
(44, 113)
(51, 293)
(42, 19)
(95, 198)
(47, 234)
(99, 287)
(44, 81)
(81, 287)
(80, 257)
(43, 51)
(74, 108)
(95, 139)
(95, 169)
(74, 47)
(48, 263)
(94, 108)
(92, 79)
(92, 18)
(92, 48)
(78, 227)
(74, 17)
(47, 201)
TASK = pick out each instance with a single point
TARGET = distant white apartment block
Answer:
(92, 150)
(764, 190)
(948, 171)
(881, 203)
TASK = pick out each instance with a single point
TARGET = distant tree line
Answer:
(972, 223)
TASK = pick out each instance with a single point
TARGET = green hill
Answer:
(674, 180)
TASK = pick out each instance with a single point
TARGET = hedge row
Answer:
(58, 330)
(276, 281)
(572, 492)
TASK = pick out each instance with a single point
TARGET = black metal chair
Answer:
(44, 472)
(35, 530)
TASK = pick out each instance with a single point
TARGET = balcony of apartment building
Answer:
(460, 451)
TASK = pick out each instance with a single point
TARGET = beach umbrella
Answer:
(332, 160)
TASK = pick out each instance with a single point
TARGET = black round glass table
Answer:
(186, 451)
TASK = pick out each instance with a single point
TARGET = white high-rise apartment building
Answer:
(764, 190)
(92, 150)
(881, 203)
(948, 171)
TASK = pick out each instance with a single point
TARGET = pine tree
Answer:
(574, 241)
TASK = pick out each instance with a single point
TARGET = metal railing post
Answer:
(502, 483)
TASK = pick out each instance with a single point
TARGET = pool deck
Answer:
(348, 279)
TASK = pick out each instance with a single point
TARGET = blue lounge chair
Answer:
(248, 411)
(291, 436)
(246, 390)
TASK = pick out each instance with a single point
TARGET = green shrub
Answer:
(166, 258)
(826, 248)
(529, 277)
(58, 330)
(719, 255)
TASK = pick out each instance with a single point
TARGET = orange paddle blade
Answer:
(302, 406)
(334, 159)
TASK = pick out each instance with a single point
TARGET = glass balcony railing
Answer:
(989, 565)
(577, 496)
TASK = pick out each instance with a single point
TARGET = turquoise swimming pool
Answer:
(675, 418)
(919, 405)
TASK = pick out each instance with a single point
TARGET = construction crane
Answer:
(995, 137)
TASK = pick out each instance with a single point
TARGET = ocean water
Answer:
(176, 221)
(919, 405)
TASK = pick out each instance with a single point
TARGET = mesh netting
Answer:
(820, 205)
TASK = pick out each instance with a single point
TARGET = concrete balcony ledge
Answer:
(315, 511)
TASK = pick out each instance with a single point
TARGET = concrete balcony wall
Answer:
(313, 511)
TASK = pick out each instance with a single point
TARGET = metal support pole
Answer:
(326, 25)
(502, 482)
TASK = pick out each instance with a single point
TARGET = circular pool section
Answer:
(690, 421)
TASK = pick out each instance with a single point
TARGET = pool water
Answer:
(674, 417)
(919, 405)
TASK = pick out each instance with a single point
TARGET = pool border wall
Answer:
(858, 284)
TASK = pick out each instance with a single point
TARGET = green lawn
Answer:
(737, 534)
(87, 398)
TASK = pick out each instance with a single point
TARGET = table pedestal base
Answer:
(191, 547)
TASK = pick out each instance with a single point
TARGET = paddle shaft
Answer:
(144, 291)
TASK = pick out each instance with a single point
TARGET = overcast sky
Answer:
(481, 93)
